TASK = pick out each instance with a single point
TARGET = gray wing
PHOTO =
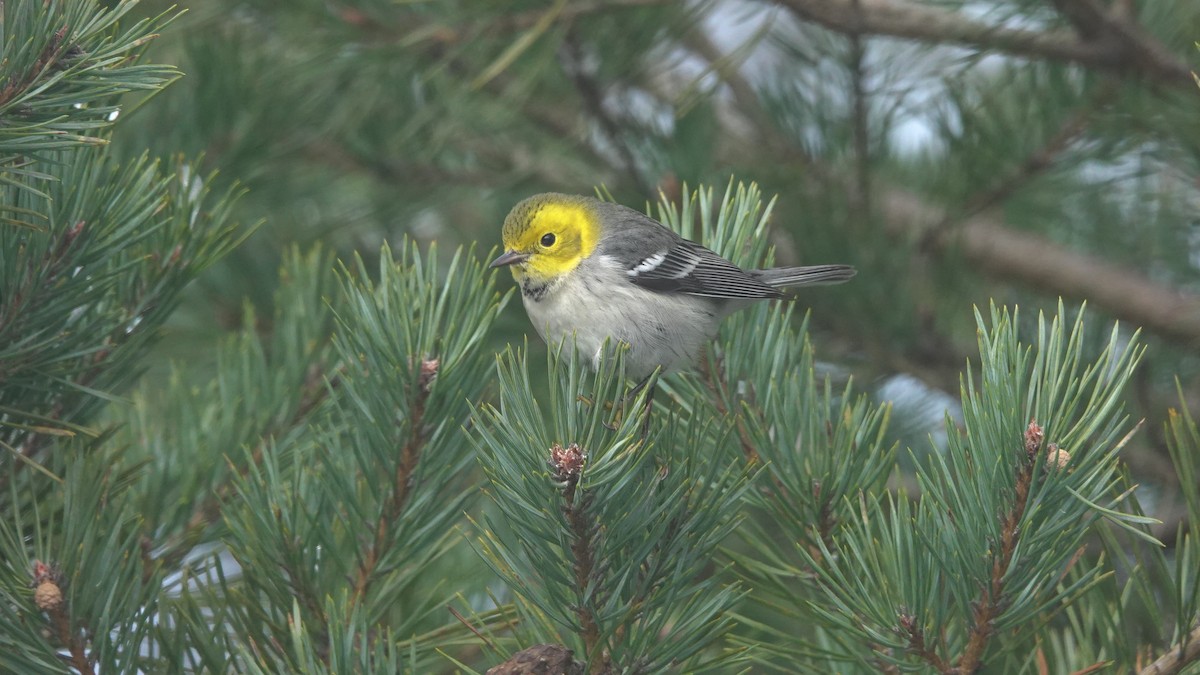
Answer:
(688, 267)
(676, 264)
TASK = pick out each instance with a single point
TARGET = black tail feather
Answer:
(782, 277)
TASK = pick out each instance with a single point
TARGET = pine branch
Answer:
(49, 598)
(209, 510)
(715, 376)
(71, 641)
(992, 601)
(568, 465)
(1133, 51)
(141, 234)
(1035, 164)
(410, 456)
(861, 198)
(1115, 28)
(1031, 259)
(49, 55)
(1177, 658)
(611, 558)
(712, 369)
(456, 34)
(985, 556)
(64, 68)
(1023, 257)
(915, 635)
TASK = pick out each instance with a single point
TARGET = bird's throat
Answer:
(534, 291)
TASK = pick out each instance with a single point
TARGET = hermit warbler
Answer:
(596, 270)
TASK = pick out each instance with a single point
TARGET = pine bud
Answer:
(567, 463)
(1033, 438)
(48, 596)
(429, 371)
(47, 593)
(1056, 457)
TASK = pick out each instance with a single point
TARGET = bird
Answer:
(597, 271)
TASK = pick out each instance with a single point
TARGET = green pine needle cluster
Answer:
(975, 568)
(65, 65)
(607, 524)
(356, 481)
(339, 510)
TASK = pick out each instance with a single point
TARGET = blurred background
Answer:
(955, 152)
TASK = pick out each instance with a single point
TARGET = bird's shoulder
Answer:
(629, 235)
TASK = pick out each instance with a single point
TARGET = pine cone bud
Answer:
(47, 593)
(1056, 457)
(48, 596)
(567, 463)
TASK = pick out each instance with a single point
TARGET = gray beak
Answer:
(509, 258)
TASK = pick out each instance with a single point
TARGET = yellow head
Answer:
(548, 235)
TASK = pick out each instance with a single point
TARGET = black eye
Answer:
(548, 239)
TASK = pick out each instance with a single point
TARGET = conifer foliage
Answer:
(363, 479)
(94, 257)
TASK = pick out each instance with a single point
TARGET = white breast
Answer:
(661, 329)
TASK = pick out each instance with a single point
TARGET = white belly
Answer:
(670, 329)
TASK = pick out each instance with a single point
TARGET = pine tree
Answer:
(363, 477)
(95, 255)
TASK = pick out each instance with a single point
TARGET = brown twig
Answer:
(568, 465)
(912, 631)
(48, 596)
(1117, 31)
(860, 197)
(584, 557)
(544, 658)
(62, 630)
(991, 601)
(714, 381)
(1094, 668)
(50, 53)
(1177, 657)
(463, 620)
(453, 35)
(410, 456)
